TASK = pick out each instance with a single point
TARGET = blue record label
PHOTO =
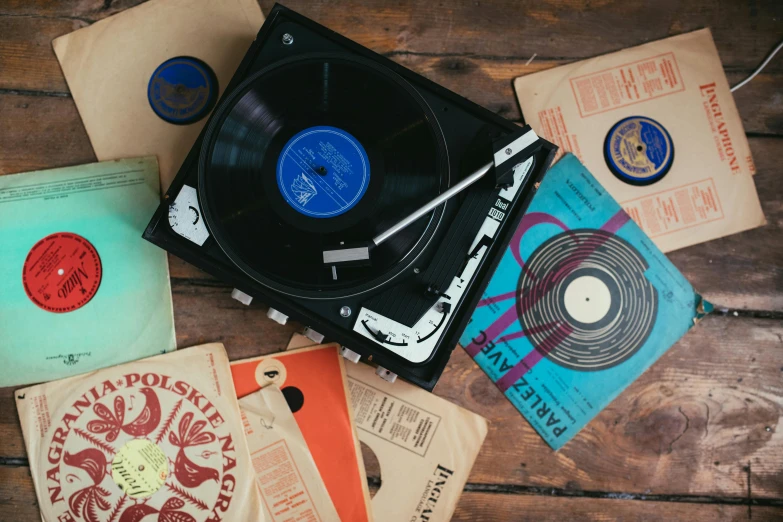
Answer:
(323, 172)
(638, 150)
(182, 90)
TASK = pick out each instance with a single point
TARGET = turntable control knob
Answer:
(350, 354)
(241, 296)
(313, 335)
(277, 316)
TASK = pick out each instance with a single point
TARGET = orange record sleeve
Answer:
(314, 383)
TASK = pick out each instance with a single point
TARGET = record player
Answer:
(352, 195)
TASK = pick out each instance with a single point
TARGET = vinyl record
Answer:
(62, 272)
(314, 152)
(585, 301)
(638, 150)
(182, 90)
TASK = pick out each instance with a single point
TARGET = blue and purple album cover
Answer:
(580, 305)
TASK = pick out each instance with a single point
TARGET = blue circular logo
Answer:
(638, 150)
(323, 172)
(182, 90)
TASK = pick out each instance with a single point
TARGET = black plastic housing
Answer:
(460, 121)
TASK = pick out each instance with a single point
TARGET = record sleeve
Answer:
(144, 80)
(581, 304)
(314, 384)
(425, 445)
(81, 289)
(288, 479)
(657, 126)
(156, 439)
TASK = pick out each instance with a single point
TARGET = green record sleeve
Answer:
(79, 288)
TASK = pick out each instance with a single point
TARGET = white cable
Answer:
(759, 68)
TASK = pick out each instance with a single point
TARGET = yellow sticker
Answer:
(140, 468)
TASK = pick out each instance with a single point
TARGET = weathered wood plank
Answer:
(490, 507)
(552, 28)
(38, 132)
(88, 10)
(689, 426)
(208, 314)
(759, 102)
(744, 32)
(29, 64)
(17, 497)
(26, 56)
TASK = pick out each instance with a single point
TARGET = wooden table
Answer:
(697, 437)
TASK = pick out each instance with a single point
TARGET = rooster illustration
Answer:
(87, 501)
(111, 423)
(168, 513)
(187, 472)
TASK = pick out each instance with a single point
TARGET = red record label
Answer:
(62, 272)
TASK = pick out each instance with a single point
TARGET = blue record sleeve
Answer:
(581, 303)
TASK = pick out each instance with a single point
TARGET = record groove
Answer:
(555, 288)
(260, 213)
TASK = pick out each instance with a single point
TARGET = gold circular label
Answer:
(140, 468)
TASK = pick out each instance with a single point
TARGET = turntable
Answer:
(352, 195)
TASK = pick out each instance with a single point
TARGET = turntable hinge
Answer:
(277, 316)
(241, 296)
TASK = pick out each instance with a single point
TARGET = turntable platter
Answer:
(303, 156)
